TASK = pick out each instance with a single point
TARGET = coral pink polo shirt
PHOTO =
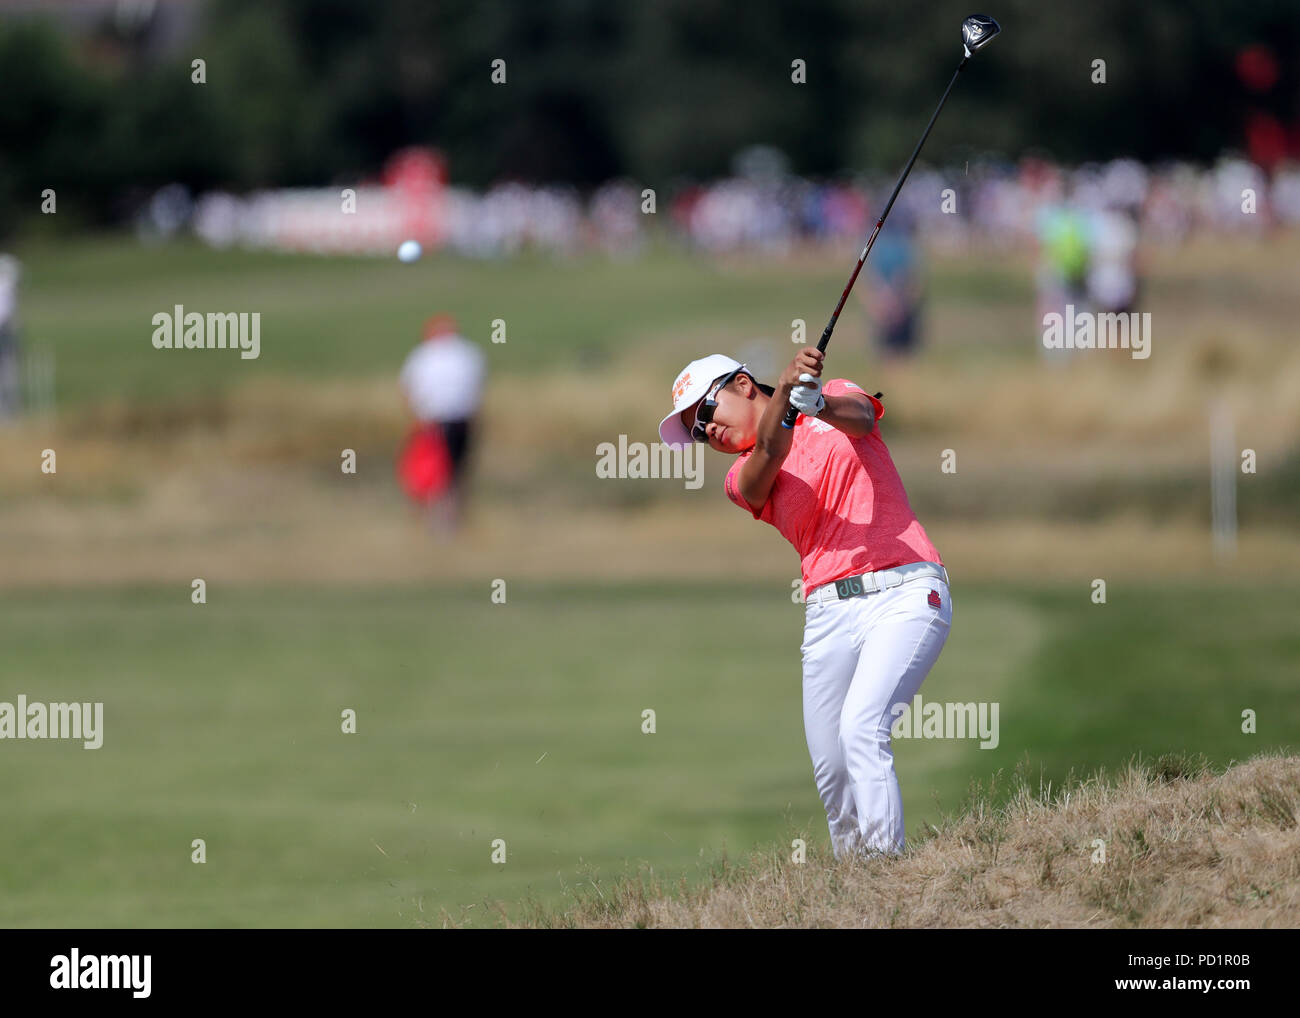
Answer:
(840, 501)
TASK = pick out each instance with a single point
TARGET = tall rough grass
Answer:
(1184, 847)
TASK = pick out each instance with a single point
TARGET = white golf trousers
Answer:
(861, 656)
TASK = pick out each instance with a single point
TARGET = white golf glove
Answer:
(808, 400)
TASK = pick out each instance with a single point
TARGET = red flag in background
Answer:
(1266, 136)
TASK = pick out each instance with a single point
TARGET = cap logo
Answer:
(680, 387)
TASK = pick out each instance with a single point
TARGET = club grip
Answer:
(792, 415)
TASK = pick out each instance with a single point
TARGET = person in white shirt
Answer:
(442, 384)
(1113, 271)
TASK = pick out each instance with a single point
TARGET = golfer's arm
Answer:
(771, 447)
(850, 414)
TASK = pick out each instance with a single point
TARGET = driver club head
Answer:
(977, 31)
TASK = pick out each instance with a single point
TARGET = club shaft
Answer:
(915, 152)
(792, 414)
(885, 214)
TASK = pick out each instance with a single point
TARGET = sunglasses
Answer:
(704, 415)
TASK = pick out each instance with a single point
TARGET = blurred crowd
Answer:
(1083, 222)
(989, 203)
(996, 203)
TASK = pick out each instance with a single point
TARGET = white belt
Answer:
(869, 583)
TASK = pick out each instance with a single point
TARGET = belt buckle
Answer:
(852, 586)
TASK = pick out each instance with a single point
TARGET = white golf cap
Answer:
(694, 382)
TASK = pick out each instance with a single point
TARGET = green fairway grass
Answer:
(522, 721)
(92, 302)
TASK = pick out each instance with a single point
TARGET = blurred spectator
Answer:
(1286, 195)
(1064, 251)
(1170, 208)
(1113, 267)
(442, 384)
(165, 214)
(615, 218)
(895, 288)
(10, 271)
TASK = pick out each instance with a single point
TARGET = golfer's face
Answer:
(723, 431)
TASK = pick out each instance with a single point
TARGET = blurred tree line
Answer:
(309, 92)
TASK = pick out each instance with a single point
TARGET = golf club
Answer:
(976, 33)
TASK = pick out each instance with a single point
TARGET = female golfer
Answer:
(877, 606)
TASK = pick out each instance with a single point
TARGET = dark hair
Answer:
(765, 388)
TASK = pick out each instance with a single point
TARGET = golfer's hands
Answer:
(802, 379)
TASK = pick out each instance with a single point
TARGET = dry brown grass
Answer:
(1185, 848)
(250, 490)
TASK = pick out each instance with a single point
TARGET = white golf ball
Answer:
(409, 251)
